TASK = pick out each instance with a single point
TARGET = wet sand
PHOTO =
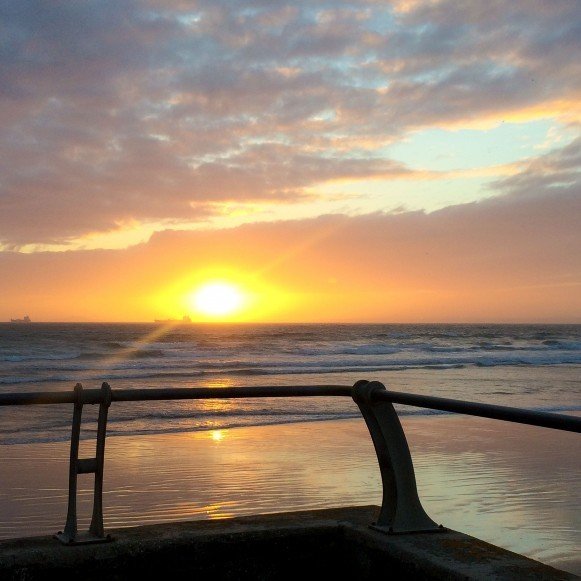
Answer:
(515, 486)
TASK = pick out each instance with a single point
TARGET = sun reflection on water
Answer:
(219, 382)
(218, 435)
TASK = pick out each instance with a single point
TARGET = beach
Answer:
(515, 486)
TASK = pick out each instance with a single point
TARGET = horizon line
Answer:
(217, 322)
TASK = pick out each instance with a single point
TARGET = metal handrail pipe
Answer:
(94, 396)
(483, 410)
(89, 396)
(231, 392)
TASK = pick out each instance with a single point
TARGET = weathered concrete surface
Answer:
(336, 542)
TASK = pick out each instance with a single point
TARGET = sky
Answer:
(334, 161)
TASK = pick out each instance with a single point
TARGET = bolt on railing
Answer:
(401, 510)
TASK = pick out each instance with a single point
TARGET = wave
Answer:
(369, 349)
(275, 368)
(123, 355)
(114, 345)
(18, 380)
(22, 357)
(550, 352)
(91, 356)
(216, 420)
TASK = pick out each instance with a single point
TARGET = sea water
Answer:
(529, 366)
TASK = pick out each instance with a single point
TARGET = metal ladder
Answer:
(96, 533)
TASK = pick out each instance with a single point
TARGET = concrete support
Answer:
(401, 509)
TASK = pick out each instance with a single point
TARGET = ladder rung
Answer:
(87, 466)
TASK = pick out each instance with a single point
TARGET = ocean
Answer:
(529, 366)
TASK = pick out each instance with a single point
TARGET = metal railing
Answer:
(401, 510)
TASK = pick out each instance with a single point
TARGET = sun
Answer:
(217, 299)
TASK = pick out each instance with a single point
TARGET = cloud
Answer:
(556, 172)
(509, 258)
(112, 113)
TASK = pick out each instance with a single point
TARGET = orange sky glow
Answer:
(372, 268)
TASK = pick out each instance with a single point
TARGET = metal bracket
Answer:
(401, 509)
(95, 534)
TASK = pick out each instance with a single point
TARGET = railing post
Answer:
(70, 531)
(401, 509)
(96, 534)
(96, 528)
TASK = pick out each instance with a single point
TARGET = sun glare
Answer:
(217, 299)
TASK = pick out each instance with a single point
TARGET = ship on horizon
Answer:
(26, 319)
(184, 319)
